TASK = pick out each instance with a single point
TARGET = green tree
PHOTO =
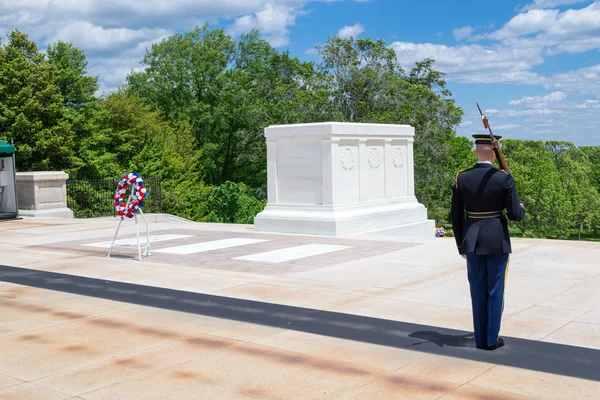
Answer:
(539, 188)
(31, 108)
(84, 111)
(577, 177)
(364, 76)
(367, 84)
(141, 140)
(231, 203)
(593, 155)
(462, 153)
(189, 76)
(70, 75)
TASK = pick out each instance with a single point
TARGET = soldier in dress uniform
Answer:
(479, 197)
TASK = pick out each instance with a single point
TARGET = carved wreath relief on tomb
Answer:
(398, 156)
(374, 160)
(347, 158)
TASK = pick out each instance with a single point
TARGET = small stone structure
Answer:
(342, 178)
(43, 194)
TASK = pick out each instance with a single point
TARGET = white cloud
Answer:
(462, 33)
(550, 3)
(573, 31)
(513, 51)
(115, 33)
(584, 81)
(491, 111)
(132, 14)
(506, 127)
(548, 117)
(532, 21)
(589, 104)
(351, 31)
(528, 112)
(312, 52)
(523, 123)
(547, 123)
(272, 21)
(475, 63)
(540, 101)
(118, 67)
(90, 37)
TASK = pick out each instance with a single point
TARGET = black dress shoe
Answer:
(498, 344)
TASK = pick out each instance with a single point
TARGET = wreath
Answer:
(138, 194)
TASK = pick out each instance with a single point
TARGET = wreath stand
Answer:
(137, 233)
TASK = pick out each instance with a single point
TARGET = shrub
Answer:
(232, 203)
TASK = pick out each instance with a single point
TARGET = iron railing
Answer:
(94, 198)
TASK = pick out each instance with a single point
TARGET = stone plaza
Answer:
(225, 312)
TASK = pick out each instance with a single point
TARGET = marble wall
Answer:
(338, 178)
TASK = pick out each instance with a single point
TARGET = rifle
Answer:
(495, 144)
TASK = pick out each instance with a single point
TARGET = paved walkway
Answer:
(222, 312)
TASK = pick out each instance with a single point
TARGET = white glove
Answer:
(522, 206)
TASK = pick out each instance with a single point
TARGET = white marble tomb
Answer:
(342, 178)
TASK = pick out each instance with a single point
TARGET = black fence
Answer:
(94, 198)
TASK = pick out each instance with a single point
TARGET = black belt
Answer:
(484, 214)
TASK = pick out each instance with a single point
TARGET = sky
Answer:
(532, 65)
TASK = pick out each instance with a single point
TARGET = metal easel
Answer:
(137, 233)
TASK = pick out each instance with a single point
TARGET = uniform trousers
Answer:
(487, 279)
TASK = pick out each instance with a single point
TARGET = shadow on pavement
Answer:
(441, 340)
(579, 362)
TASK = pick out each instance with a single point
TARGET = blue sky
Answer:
(534, 66)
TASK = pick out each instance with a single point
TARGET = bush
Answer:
(186, 199)
(232, 203)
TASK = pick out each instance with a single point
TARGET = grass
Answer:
(586, 235)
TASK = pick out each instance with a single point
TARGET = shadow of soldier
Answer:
(442, 340)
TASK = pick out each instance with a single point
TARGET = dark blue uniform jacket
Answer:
(479, 198)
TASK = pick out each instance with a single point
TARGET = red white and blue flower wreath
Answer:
(138, 195)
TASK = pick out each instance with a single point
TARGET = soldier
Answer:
(479, 196)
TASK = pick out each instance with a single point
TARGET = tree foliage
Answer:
(232, 202)
(70, 75)
(554, 181)
(576, 175)
(31, 107)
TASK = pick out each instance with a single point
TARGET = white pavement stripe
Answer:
(293, 253)
(208, 246)
(133, 241)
